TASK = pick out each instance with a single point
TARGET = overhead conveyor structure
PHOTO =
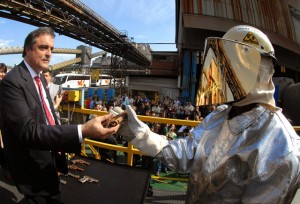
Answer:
(74, 19)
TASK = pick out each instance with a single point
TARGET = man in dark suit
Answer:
(29, 134)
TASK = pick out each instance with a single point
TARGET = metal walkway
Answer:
(10, 195)
(168, 197)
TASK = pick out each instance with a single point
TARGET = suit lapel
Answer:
(29, 82)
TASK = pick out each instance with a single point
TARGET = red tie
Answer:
(46, 109)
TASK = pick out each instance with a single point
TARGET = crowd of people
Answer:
(167, 108)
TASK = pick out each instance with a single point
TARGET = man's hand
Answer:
(94, 128)
(57, 101)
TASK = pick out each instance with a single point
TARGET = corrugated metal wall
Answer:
(274, 15)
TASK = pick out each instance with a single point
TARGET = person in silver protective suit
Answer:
(245, 151)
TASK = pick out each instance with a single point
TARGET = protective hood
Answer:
(234, 71)
(263, 90)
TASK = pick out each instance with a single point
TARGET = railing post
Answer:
(130, 155)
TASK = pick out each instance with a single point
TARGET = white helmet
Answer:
(232, 65)
(251, 36)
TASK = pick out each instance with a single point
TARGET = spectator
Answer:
(138, 103)
(125, 101)
(171, 134)
(197, 116)
(3, 70)
(188, 109)
(88, 102)
(166, 100)
(93, 101)
(106, 155)
(120, 99)
(179, 111)
(98, 100)
(110, 103)
(97, 107)
(115, 103)
(146, 106)
(185, 130)
(55, 92)
(156, 109)
(176, 102)
(171, 110)
(130, 100)
(160, 167)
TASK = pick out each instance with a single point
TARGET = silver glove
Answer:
(139, 134)
(131, 126)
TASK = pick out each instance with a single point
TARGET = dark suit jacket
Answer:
(29, 142)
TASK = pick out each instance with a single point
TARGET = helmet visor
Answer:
(229, 71)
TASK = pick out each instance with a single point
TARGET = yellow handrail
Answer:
(149, 118)
(297, 128)
(129, 150)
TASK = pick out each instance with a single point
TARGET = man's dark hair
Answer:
(47, 71)
(3, 67)
(30, 39)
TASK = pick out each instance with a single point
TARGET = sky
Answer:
(146, 21)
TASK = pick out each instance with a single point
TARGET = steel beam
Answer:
(73, 19)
